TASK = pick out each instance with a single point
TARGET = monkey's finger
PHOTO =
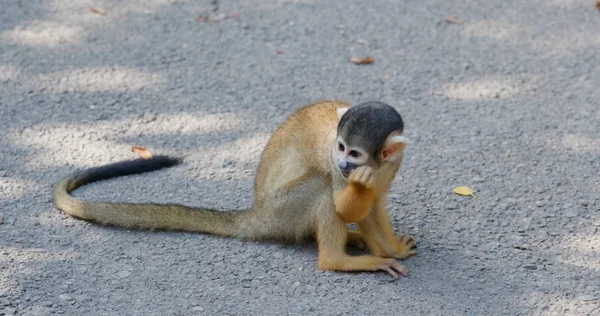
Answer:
(364, 177)
(369, 183)
(359, 173)
(352, 176)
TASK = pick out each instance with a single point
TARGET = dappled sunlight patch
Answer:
(15, 188)
(581, 143)
(562, 42)
(569, 43)
(582, 251)
(565, 3)
(77, 143)
(191, 124)
(33, 255)
(98, 79)
(494, 29)
(8, 72)
(43, 34)
(245, 149)
(560, 303)
(573, 142)
(486, 88)
(235, 160)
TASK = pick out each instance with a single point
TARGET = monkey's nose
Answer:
(343, 166)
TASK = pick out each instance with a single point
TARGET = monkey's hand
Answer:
(362, 177)
(355, 201)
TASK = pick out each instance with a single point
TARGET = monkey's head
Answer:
(369, 133)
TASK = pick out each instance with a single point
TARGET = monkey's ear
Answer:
(341, 111)
(393, 147)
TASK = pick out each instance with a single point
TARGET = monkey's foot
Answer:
(392, 267)
(403, 248)
(361, 263)
(363, 176)
(355, 239)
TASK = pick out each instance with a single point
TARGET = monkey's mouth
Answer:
(345, 173)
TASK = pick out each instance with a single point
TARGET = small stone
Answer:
(123, 274)
(82, 298)
(587, 298)
(47, 304)
(477, 180)
(451, 206)
(570, 213)
(278, 255)
(492, 291)
(65, 297)
(197, 308)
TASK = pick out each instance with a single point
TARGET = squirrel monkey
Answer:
(327, 165)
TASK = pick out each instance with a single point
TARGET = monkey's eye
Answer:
(341, 147)
(354, 153)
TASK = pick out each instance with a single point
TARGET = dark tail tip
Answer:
(123, 168)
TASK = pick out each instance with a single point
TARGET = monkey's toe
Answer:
(405, 246)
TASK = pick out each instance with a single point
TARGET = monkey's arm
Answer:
(356, 199)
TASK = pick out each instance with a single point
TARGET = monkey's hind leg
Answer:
(332, 238)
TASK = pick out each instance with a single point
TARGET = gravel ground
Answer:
(506, 101)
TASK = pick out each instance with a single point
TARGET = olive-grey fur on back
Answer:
(368, 124)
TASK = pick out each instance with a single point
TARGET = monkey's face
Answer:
(368, 134)
(348, 158)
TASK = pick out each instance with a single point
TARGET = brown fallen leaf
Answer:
(202, 18)
(142, 152)
(598, 4)
(279, 51)
(453, 19)
(98, 11)
(362, 61)
(1, 221)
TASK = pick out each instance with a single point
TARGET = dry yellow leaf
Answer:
(142, 152)
(464, 191)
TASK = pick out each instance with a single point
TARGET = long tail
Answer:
(145, 216)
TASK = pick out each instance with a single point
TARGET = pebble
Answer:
(65, 297)
(278, 255)
(123, 274)
(477, 180)
(82, 298)
(587, 298)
